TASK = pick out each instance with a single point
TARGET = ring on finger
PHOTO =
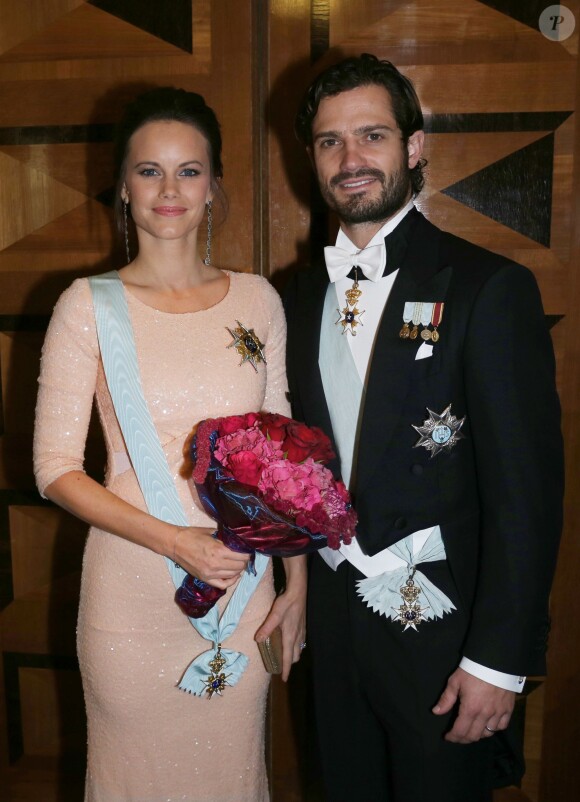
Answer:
(489, 729)
(303, 645)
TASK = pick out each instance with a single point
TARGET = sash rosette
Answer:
(262, 478)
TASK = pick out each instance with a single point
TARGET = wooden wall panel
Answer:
(67, 68)
(500, 100)
(503, 149)
(560, 775)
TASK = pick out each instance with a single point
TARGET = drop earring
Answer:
(207, 260)
(126, 228)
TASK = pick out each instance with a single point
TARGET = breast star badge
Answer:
(247, 345)
(439, 432)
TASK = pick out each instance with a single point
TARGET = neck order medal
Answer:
(352, 315)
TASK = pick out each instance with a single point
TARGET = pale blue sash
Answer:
(119, 356)
(342, 385)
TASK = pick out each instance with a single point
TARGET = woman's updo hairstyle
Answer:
(167, 104)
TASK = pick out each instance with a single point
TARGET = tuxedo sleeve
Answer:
(289, 301)
(514, 417)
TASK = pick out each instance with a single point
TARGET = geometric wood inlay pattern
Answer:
(527, 12)
(499, 101)
(515, 191)
(171, 21)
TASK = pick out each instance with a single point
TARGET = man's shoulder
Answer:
(472, 263)
(457, 246)
(306, 279)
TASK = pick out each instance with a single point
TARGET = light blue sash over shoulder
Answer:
(119, 356)
(342, 385)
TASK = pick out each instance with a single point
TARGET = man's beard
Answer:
(359, 208)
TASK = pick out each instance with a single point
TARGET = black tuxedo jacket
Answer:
(497, 494)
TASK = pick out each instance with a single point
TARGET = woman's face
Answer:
(167, 180)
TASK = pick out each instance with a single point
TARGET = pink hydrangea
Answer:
(245, 452)
(302, 483)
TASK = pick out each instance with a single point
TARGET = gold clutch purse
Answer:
(271, 651)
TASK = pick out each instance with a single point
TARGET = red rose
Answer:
(324, 451)
(232, 423)
(274, 426)
(245, 467)
(303, 441)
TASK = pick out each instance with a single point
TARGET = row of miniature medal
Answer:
(425, 314)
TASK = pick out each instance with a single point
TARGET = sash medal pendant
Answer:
(410, 612)
(217, 680)
(349, 322)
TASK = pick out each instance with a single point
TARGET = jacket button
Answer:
(416, 470)
(400, 523)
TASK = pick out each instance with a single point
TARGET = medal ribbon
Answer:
(437, 313)
(119, 356)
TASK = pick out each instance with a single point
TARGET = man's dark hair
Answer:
(365, 70)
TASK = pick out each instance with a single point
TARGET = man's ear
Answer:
(415, 148)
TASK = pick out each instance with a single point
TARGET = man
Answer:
(436, 379)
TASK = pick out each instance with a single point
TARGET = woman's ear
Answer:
(213, 189)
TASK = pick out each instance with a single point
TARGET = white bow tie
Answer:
(371, 261)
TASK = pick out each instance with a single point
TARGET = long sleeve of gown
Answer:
(276, 397)
(68, 372)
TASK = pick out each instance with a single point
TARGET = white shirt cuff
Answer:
(509, 682)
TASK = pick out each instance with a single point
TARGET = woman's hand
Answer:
(289, 613)
(206, 558)
(193, 547)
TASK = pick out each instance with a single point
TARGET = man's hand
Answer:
(483, 708)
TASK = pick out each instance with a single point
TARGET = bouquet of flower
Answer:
(262, 477)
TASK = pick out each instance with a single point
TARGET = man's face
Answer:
(359, 157)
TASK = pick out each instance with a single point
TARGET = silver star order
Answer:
(439, 432)
(247, 345)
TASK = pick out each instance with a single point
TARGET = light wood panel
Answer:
(500, 102)
(67, 68)
(560, 771)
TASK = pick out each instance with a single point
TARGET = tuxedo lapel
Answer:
(312, 291)
(419, 279)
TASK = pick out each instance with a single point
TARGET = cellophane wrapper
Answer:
(246, 524)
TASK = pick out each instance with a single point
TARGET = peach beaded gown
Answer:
(147, 740)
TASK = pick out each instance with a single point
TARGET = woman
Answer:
(148, 741)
